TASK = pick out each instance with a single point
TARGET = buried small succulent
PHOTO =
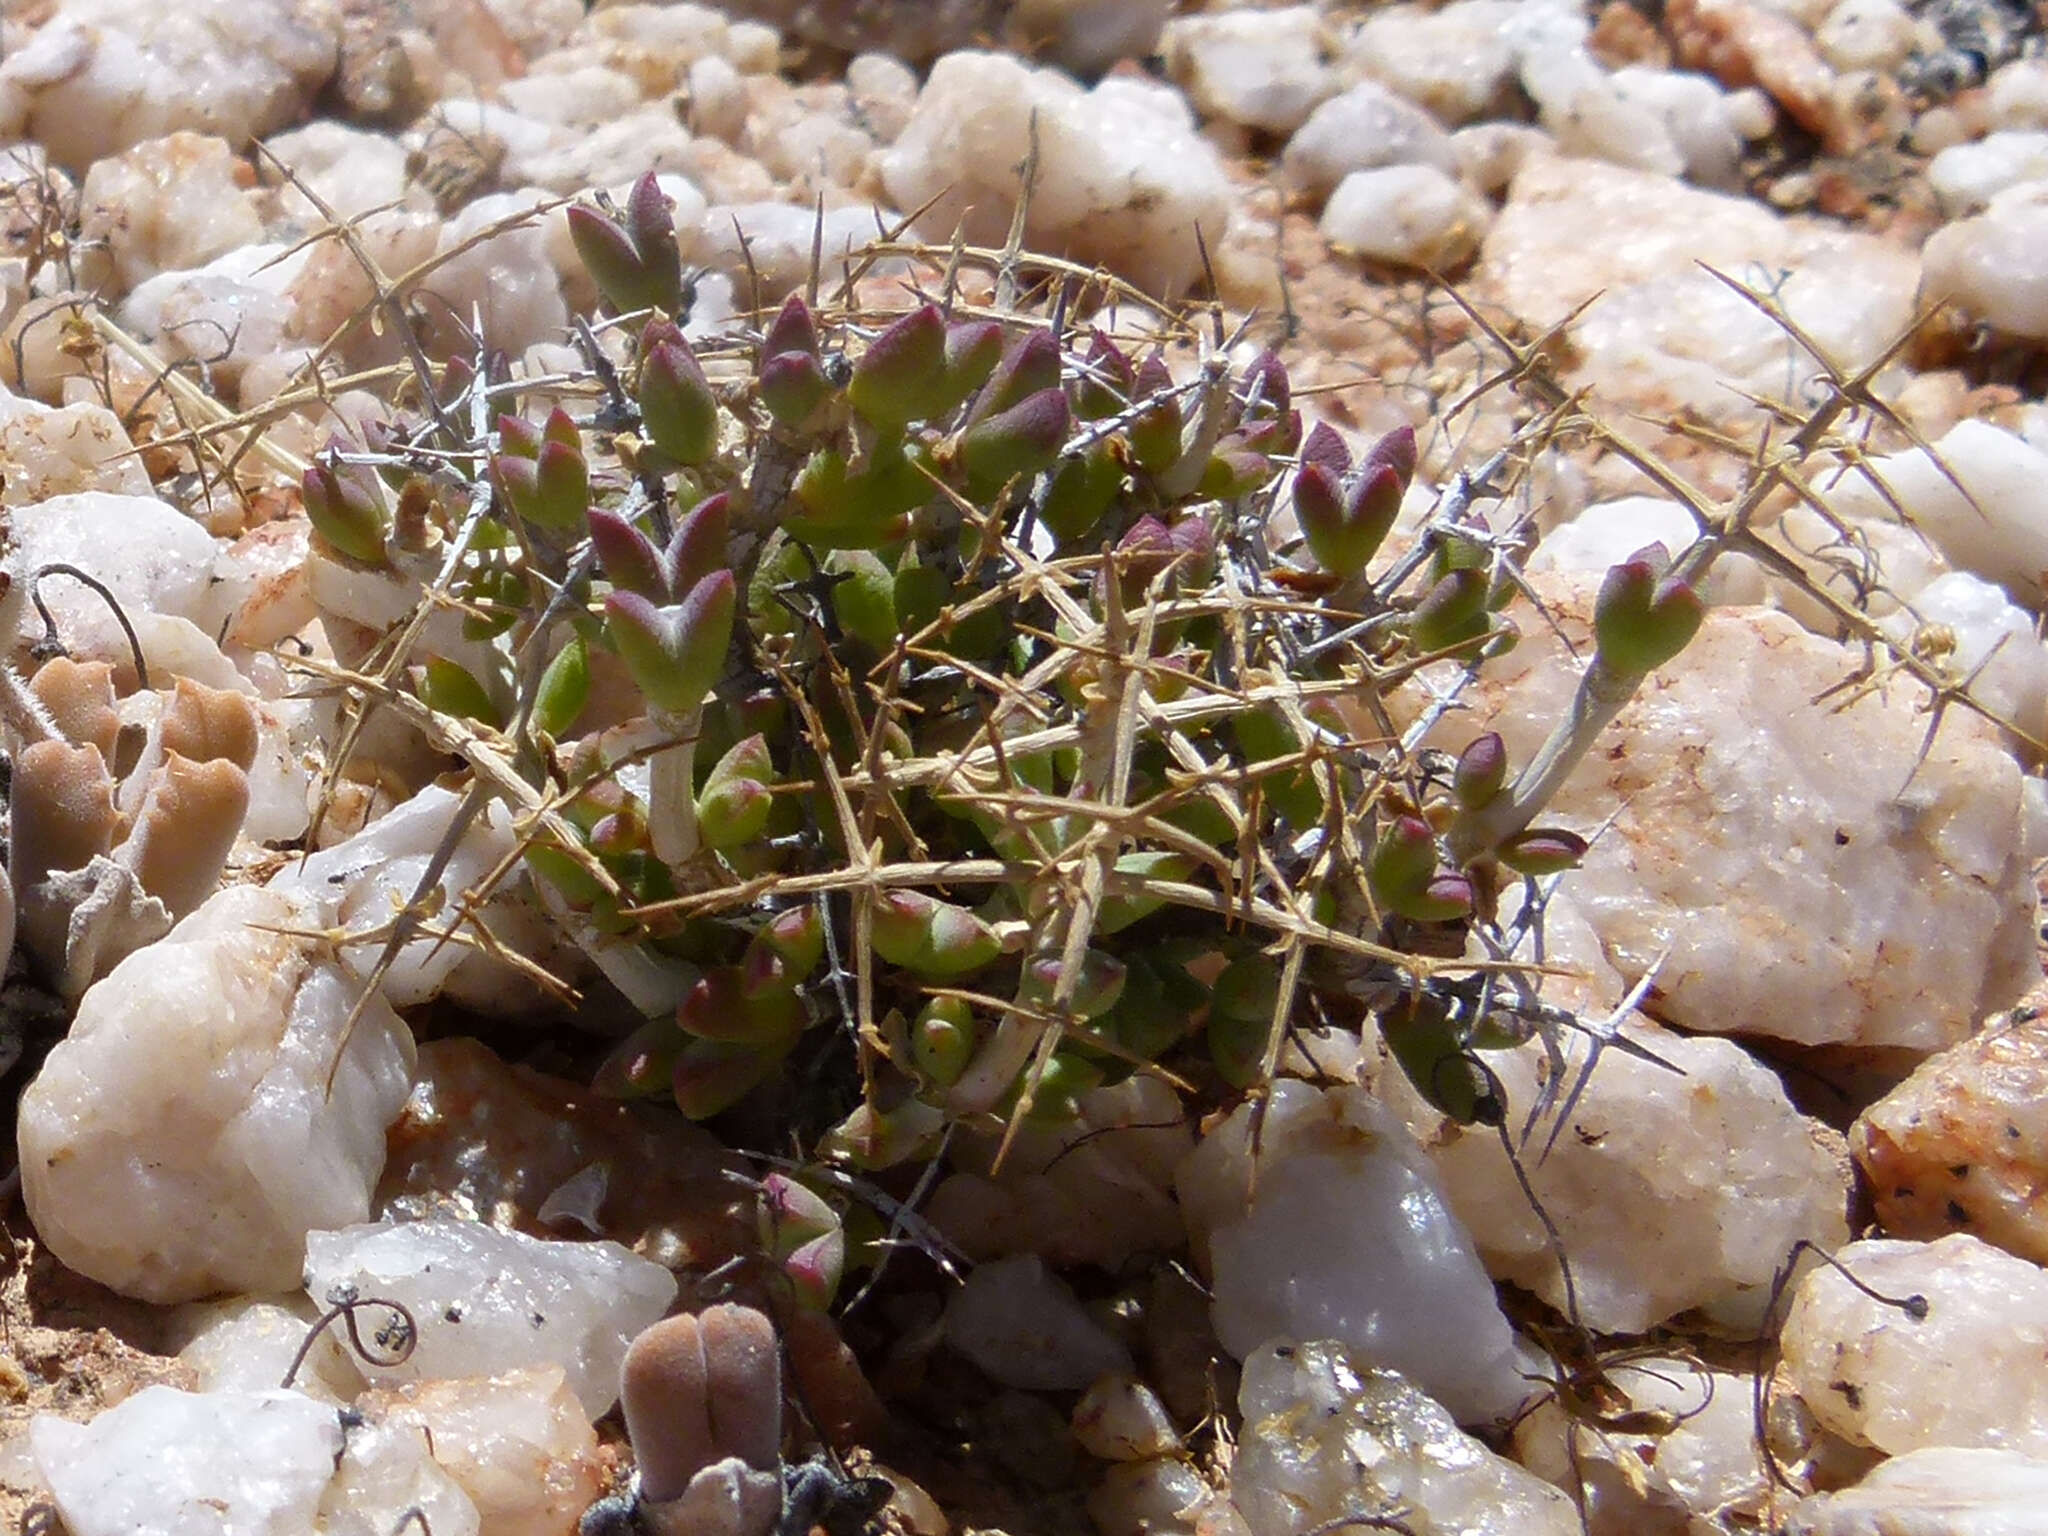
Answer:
(121, 814)
(702, 1399)
(1009, 694)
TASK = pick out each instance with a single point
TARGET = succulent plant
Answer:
(973, 696)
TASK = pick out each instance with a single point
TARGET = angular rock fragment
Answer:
(484, 1301)
(100, 75)
(1328, 1436)
(1348, 1237)
(1123, 179)
(1260, 69)
(1678, 1449)
(1669, 1191)
(1755, 832)
(1941, 1491)
(238, 1463)
(1962, 1144)
(1666, 334)
(1967, 1373)
(518, 1444)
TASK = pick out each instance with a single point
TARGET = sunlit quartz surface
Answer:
(1348, 1236)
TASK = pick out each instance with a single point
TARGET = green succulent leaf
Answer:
(564, 689)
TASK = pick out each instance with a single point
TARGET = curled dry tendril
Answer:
(391, 1345)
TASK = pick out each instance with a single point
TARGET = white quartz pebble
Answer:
(1664, 334)
(1966, 1373)
(379, 870)
(1976, 498)
(1670, 1189)
(2016, 95)
(1754, 827)
(53, 451)
(1682, 1452)
(1608, 532)
(172, 1463)
(1995, 265)
(1366, 127)
(1123, 178)
(1349, 1237)
(1458, 62)
(1968, 176)
(1941, 1491)
(1261, 69)
(1994, 646)
(517, 1444)
(1405, 215)
(1326, 1435)
(195, 1126)
(486, 1301)
(248, 1343)
(1868, 34)
(1119, 1418)
(386, 1470)
(153, 558)
(101, 75)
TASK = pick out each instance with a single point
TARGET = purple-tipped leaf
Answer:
(1543, 851)
(1103, 386)
(792, 330)
(700, 545)
(651, 226)
(1030, 365)
(519, 437)
(1398, 451)
(674, 653)
(609, 256)
(733, 814)
(345, 512)
(901, 377)
(1482, 771)
(1643, 617)
(1021, 440)
(561, 496)
(792, 387)
(1264, 391)
(1325, 446)
(627, 557)
(797, 936)
(973, 348)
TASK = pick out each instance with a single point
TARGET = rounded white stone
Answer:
(1967, 1373)
(1996, 265)
(1366, 127)
(1405, 215)
(183, 1140)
